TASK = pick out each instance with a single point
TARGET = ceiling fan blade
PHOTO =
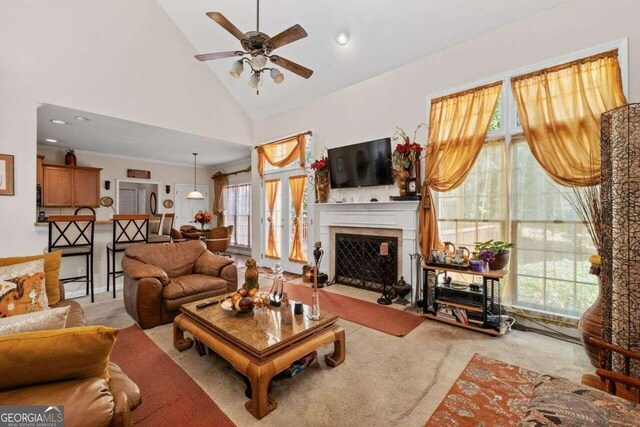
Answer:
(289, 35)
(218, 55)
(292, 66)
(226, 24)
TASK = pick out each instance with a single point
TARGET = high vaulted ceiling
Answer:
(385, 34)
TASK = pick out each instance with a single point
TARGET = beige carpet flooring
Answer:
(384, 381)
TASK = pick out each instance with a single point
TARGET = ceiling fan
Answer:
(259, 46)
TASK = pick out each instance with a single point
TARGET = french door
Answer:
(185, 209)
(286, 220)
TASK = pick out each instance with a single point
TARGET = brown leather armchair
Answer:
(87, 401)
(158, 279)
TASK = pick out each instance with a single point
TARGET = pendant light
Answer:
(195, 194)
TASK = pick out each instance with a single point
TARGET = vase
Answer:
(70, 159)
(322, 188)
(590, 323)
(401, 180)
(500, 261)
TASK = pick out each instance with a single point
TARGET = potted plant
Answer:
(70, 158)
(406, 158)
(202, 218)
(495, 252)
(321, 179)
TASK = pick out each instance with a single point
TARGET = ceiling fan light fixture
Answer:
(276, 75)
(343, 37)
(258, 62)
(255, 80)
(236, 69)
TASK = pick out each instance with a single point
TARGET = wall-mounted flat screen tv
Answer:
(361, 165)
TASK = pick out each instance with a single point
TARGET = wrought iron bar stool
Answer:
(127, 230)
(73, 236)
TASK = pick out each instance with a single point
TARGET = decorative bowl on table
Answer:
(244, 301)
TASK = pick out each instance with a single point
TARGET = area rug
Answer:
(488, 392)
(169, 396)
(374, 316)
(267, 273)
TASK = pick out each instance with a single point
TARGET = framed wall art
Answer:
(6, 175)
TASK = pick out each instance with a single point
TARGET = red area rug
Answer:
(169, 396)
(488, 391)
(374, 316)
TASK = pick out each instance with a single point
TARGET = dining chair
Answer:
(156, 229)
(127, 230)
(217, 240)
(72, 235)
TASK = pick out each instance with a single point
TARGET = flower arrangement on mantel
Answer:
(406, 158)
(321, 179)
(202, 218)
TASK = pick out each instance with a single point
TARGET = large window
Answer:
(237, 205)
(508, 196)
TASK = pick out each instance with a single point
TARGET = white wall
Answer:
(120, 58)
(373, 108)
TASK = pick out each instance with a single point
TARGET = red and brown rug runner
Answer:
(488, 391)
(170, 397)
(375, 316)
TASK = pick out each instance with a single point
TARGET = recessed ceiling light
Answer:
(58, 122)
(84, 119)
(51, 140)
(342, 38)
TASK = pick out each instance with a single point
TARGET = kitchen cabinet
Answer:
(70, 186)
(39, 161)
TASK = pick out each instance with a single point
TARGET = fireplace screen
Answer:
(357, 261)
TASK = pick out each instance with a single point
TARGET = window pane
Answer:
(496, 120)
(553, 246)
(237, 199)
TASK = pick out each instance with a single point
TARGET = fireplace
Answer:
(357, 261)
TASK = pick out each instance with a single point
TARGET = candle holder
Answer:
(385, 299)
(315, 299)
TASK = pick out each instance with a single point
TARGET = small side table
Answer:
(491, 307)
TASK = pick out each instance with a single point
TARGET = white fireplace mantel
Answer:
(401, 215)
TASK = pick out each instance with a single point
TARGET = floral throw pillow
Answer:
(22, 288)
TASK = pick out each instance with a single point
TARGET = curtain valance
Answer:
(560, 109)
(282, 153)
(458, 126)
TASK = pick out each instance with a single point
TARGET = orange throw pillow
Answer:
(52, 263)
(62, 354)
(22, 289)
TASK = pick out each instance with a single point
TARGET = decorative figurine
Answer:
(287, 317)
(251, 275)
(275, 295)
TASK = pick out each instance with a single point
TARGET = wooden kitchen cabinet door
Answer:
(86, 187)
(56, 186)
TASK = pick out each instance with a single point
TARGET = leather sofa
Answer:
(158, 279)
(87, 401)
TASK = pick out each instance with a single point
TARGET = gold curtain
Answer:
(458, 126)
(219, 182)
(293, 148)
(271, 188)
(560, 109)
(297, 186)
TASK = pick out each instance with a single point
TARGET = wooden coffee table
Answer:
(254, 353)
